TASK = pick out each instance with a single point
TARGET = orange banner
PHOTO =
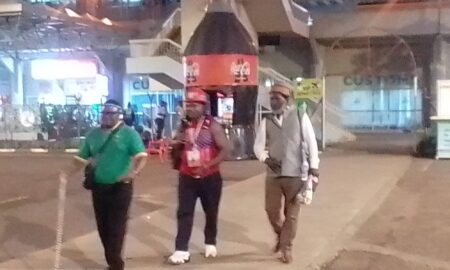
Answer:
(213, 70)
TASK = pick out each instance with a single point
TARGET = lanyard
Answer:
(193, 137)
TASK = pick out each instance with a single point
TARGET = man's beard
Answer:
(280, 110)
(107, 126)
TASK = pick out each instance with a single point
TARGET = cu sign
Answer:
(140, 83)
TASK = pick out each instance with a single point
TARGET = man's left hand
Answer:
(200, 171)
(314, 172)
(129, 178)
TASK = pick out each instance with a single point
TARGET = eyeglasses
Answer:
(110, 113)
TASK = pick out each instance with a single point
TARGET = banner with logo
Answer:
(213, 70)
(308, 96)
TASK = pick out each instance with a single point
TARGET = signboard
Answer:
(55, 69)
(214, 70)
(389, 81)
(140, 83)
(309, 89)
(443, 98)
(443, 141)
(309, 95)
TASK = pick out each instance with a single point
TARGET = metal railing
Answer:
(273, 75)
(173, 22)
(43, 125)
(160, 45)
(156, 47)
(64, 126)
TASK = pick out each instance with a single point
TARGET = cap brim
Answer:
(278, 92)
(195, 101)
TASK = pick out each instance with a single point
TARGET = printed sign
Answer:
(309, 89)
(212, 70)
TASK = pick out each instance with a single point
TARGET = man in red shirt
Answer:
(205, 147)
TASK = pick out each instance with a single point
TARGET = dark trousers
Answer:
(159, 128)
(209, 190)
(111, 204)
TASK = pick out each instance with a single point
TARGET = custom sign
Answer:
(374, 80)
(140, 83)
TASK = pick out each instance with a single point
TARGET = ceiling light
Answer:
(72, 13)
(107, 21)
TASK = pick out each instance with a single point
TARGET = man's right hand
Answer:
(274, 165)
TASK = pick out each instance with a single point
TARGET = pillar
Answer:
(114, 64)
(438, 72)
(17, 97)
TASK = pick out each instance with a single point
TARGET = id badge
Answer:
(193, 158)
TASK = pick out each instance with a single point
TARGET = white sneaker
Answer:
(210, 251)
(179, 257)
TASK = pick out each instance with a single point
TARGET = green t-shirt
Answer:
(115, 161)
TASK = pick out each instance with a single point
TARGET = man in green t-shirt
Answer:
(121, 160)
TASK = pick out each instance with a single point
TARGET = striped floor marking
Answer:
(7, 150)
(38, 150)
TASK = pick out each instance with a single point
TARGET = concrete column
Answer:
(114, 64)
(17, 97)
(438, 72)
(318, 58)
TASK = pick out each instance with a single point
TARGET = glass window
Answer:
(382, 109)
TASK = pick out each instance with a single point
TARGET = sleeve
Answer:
(311, 142)
(84, 152)
(136, 146)
(260, 142)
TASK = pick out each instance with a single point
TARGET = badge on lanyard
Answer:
(193, 156)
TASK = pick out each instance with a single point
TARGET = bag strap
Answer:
(300, 122)
(302, 139)
(272, 117)
(110, 136)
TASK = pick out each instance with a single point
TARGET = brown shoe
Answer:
(286, 257)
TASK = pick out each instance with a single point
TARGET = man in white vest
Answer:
(286, 142)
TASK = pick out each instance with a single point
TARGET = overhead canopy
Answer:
(41, 28)
(336, 5)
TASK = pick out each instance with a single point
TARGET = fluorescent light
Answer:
(53, 69)
(297, 5)
(310, 21)
(107, 21)
(10, 9)
(72, 13)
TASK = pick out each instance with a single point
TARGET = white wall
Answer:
(418, 19)
(282, 64)
(156, 64)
